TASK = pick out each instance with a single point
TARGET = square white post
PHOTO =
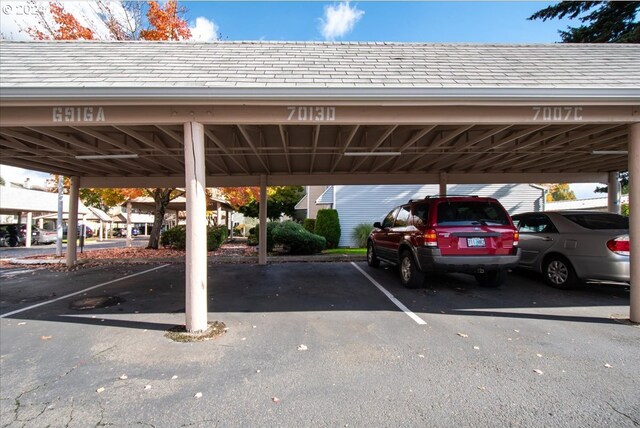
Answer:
(634, 220)
(59, 220)
(72, 226)
(262, 238)
(614, 192)
(443, 184)
(196, 257)
(27, 238)
(129, 237)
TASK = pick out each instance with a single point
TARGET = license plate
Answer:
(475, 242)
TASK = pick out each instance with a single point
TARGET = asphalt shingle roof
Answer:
(317, 64)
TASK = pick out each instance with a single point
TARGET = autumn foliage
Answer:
(65, 26)
(166, 22)
(240, 196)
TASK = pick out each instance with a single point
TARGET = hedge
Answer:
(328, 226)
(176, 237)
(309, 224)
(254, 235)
(296, 239)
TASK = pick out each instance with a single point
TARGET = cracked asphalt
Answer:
(368, 364)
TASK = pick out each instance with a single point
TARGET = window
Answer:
(536, 224)
(466, 213)
(403, 217)
(420, 214)
(599, 221)
(388, 220)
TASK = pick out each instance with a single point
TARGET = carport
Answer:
(138, 114)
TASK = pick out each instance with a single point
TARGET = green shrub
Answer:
(296, 239)
(625, 210)
(309, 224)
(254, 236)
(175, 238)
(328, 226)
(360, 234)
(216, 235)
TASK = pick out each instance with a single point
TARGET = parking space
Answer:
(473, 362)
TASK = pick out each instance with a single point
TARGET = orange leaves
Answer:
(240, 196)
(166, 22)
(64, 26)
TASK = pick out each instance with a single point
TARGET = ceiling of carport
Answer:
(247, 150)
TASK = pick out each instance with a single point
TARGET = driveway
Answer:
(454, 355)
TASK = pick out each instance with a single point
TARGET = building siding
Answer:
(368, 204)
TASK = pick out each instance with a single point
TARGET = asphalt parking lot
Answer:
(521, 355)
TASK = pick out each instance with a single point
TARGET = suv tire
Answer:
(410, 275)
(558, 273)
(491, 279)
(12, 241)
(372, 259)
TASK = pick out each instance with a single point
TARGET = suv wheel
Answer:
(12, 241)
(410, 275)
(372, 259)
(491, 279)
(559, 273)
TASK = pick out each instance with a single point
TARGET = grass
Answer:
(348, 251)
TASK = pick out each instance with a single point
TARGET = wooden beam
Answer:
(247, 138)
(209, 133)
(314, 146)
(344, 149)
(444, 140)
(375, 147)
(417, 136)
(284, 137)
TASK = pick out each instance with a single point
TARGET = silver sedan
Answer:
(569, 247)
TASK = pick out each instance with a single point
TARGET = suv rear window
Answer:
(599, 221)
(467, 213)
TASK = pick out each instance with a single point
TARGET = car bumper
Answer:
(431, 260)
(614, 268)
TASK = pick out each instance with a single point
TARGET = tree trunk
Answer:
(161, 198)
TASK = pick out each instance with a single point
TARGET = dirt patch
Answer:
(180, 334)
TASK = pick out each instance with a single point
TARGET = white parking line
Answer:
(391, 297)
(80, 292)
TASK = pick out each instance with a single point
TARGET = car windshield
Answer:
(469, 213)
(599, 221)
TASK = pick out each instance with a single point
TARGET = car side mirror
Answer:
(377, 225)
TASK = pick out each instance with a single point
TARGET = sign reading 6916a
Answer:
(311, 113)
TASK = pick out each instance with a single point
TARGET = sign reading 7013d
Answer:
(311, 113)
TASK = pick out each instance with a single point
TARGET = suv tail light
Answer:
(619, 245)
(516, 238)
(431, 238)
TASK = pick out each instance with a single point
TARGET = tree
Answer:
(62, 26)
(166, 22)
(602, 21)
(560, 192)
(281, 200)
(106, 199)
(113, 21)
(624, 184)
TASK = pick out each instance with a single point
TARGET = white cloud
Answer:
(339, 20)
(204, 30)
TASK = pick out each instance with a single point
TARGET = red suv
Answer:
(464, 234)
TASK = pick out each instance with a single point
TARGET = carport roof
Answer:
(145, 65)
(318, 112)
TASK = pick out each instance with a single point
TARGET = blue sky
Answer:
(383, 21)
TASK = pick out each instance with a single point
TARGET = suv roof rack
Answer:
(446, 196)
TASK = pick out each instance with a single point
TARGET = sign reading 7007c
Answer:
(311, 113)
